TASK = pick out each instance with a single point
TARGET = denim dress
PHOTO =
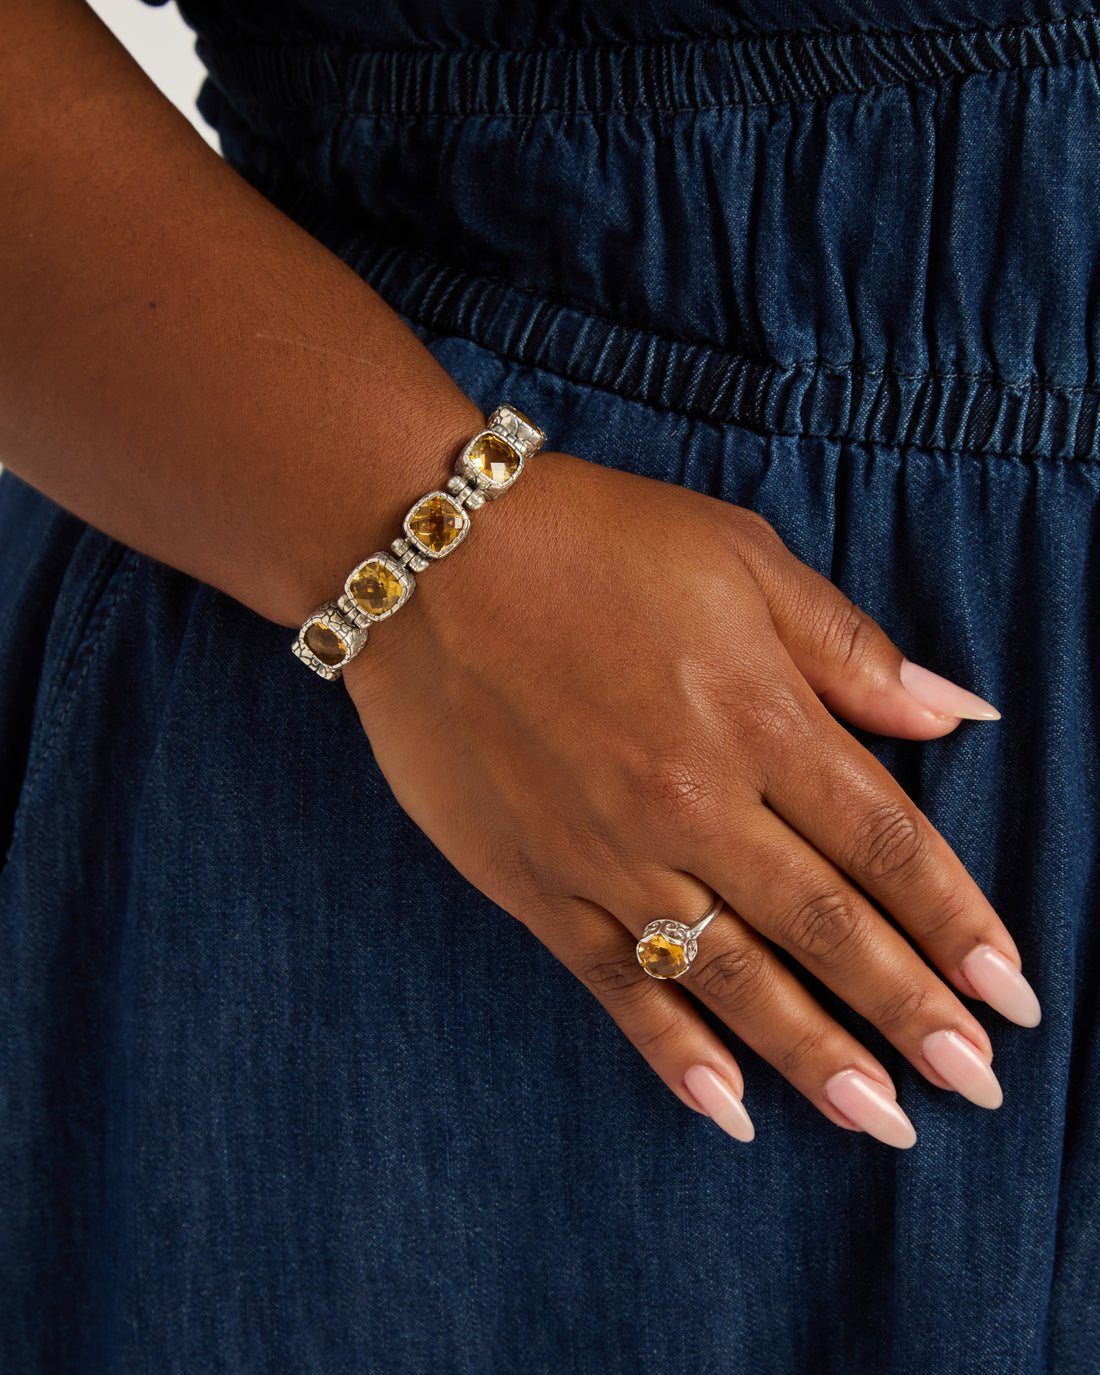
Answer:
(834, 260)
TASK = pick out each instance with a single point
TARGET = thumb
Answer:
(850, 662)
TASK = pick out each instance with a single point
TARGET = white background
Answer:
(162, 44)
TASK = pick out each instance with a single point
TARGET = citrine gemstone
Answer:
(376, 588)
(493, 458)
(662, 957)
(325, 644)
(524, 421)
(437, 522)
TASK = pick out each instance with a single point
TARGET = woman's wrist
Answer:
(182, 365)
(435, 525)
(361, 492)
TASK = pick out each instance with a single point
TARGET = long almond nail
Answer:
(868, 1105)
(943, 697)
(719, 1101)
(964, 1067)
(1002, 986)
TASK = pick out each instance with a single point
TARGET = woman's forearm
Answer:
(180, 364)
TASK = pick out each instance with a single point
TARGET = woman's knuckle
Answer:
(755, 542)
(890, 843)
(617, 980)
(825, 925)
(793, 1056)
(902, 1008)
(852, 637)
(766, 721)
(752, 525)
(736, 978)
(675, 796)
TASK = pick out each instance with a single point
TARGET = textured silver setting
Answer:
(423, 549)
(511, 425)
(332, 618)
(467, 470)
(521, 437)
(678, 934)
(407, 555)
(359, 615)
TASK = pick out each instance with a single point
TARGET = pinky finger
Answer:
(658, 1019)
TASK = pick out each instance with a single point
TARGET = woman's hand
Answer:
(632, 685)
(632, 682)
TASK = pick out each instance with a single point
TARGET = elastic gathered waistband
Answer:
(956, 412)
(915, 274)
(701, 74)
(927, 411)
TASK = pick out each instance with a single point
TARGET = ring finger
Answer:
(760, 1000)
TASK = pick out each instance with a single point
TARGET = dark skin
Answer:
(186, 369)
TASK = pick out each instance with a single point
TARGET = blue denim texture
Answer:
(281, 1091)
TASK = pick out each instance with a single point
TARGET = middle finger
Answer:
(792, 895)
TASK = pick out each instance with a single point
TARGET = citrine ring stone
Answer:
(667, 948)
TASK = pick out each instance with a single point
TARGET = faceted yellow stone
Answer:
(493, 457)
(376, 588)
(662, 957)
(523, 419)
(325, 644)
(437, 522)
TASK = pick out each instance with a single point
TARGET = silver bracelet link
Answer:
(434, 526)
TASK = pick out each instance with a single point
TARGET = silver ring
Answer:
(667, 948)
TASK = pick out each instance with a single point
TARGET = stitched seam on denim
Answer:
(749, 70)
(968, 455)
(467, 117)
(1023, 388)
(573, 111)
(826, 435)
(92, 592)
(61, 708)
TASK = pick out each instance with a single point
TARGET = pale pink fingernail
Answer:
(719, 1101)
(1002, 986)
(964, 1067)
(943, 697)
(866, 1103)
